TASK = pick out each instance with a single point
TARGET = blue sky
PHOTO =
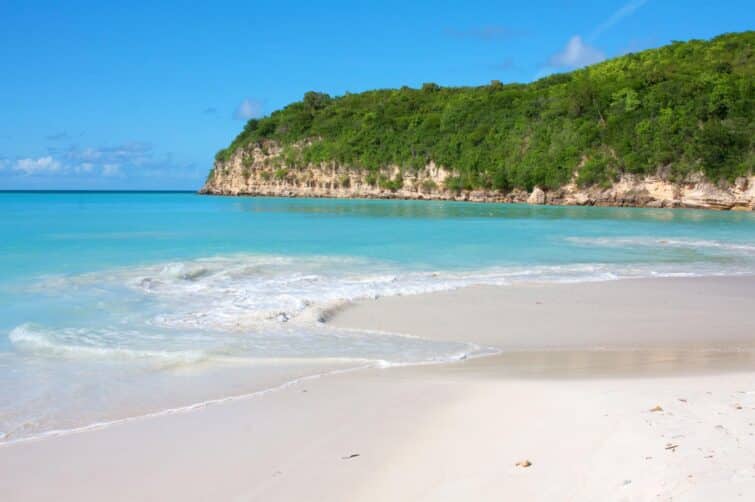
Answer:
(141, 96)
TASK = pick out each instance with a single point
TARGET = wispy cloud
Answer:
(135, 153)
(576, 54)
(31, 165)
(111, 170)
(486, 32)
(127, 165)
(84, 167)
(133, 158)
(626, 10)
(248, 109)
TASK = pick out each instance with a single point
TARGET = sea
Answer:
(119, 305)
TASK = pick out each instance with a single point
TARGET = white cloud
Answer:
(39, 165)
(248, 109)
(579, 53)
(134, 153)
(576, 54)
(111, 170)
(626, 10)
(73, 160)
(84, 167)
(135, 160)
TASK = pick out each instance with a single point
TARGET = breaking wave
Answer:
(257, 292)
(703, 246)
(133, 326)
(79, 343)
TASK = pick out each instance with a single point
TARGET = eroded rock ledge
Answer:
(263, 171)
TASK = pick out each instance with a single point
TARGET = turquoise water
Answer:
(105, 294)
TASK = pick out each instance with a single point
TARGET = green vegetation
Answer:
(682, 108)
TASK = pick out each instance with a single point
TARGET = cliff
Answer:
(262, 170)
(672, 126)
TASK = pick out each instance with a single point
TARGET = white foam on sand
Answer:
(251, 310)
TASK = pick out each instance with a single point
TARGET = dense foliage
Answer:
(683, 108)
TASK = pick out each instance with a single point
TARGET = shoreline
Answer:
(664, 312)
(199, 405)
(450, 430)
(481, 199)
(520, 362)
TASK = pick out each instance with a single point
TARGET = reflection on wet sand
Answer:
(613, 363)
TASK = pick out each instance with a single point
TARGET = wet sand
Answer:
(626, 390)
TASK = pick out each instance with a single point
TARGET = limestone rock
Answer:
(536, 197)
(262, 170)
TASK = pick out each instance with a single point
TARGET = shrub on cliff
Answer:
(684, 107)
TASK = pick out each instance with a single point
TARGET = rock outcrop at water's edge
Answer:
(262, 171)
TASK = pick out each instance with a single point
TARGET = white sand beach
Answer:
(625, 390)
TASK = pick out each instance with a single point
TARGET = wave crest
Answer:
(734, 248)
(92, 344)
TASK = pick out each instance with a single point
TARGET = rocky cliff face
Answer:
(264, 171)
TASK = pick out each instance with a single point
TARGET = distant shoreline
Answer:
(467, 198)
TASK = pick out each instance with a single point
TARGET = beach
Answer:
(316, 252)
(620, 390)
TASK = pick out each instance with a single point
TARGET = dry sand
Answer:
(455, 431)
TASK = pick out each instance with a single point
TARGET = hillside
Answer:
(679, 117)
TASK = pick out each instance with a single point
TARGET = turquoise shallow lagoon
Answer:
(105, 295)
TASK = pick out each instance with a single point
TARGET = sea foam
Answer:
(242, 312)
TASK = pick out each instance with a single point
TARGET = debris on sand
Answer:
(657, 407)
(523, 463)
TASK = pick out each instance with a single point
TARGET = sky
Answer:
(141, 95)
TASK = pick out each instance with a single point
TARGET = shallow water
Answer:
(120, 304)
